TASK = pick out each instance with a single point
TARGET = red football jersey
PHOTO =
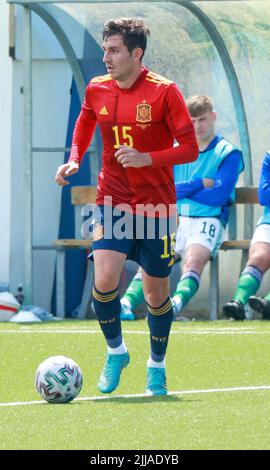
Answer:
(148, 116)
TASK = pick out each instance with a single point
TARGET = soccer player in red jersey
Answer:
(140, 114)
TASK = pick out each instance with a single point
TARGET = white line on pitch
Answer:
(135, 332)
(143, 395)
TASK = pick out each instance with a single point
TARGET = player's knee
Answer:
(105, 283)
(260, 260)
(155, 299)
(194, 263)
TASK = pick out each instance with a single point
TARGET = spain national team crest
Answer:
(144, 113)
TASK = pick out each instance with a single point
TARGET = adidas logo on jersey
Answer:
(103, 111)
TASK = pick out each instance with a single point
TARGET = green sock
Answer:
(248, 284)
(188, 286)
(134, 293)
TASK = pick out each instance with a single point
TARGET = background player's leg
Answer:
(196, 258)
(249, 281)
(133, 297)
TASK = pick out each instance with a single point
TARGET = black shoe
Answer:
(260, 305)
(234, 309)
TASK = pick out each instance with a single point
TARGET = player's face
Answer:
(204, 125)
(119, 61)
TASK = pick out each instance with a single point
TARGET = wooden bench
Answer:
(247, 196)
(80, 196)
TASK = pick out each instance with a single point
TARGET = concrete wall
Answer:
(51, 99)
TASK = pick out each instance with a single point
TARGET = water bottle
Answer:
(20, 294)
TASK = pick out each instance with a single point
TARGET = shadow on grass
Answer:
(120, 400)
(132, 400)
(123, 400)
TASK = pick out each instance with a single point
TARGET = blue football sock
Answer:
(159, 321)
(108, 308)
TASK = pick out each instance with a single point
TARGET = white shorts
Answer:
(205, 231)
(261, 234)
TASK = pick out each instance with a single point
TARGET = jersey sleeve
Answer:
(84, 129)
(181, 129)
(176, 113)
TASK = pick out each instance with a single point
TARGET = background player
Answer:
(139, 114)
(258, 260)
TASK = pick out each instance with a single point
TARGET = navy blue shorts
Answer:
(147, 240)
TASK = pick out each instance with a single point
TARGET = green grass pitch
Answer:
(201, 356)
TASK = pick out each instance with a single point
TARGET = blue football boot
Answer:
(156, 381)
(110, 375)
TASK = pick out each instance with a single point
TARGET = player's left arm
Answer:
(186, 188)
(224, 182)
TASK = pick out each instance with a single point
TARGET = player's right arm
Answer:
(181, 129)
(82, 135)
(187, 188)
(219, 194)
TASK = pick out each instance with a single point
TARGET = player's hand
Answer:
(208, 182)
(67, 169)
(130, 157)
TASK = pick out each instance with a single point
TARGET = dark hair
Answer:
(199, 104)
(133, 31)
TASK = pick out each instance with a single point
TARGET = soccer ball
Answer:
(58, 379)
(8, 306)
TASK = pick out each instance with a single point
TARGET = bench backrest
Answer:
(81, 195)
(247, 196)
